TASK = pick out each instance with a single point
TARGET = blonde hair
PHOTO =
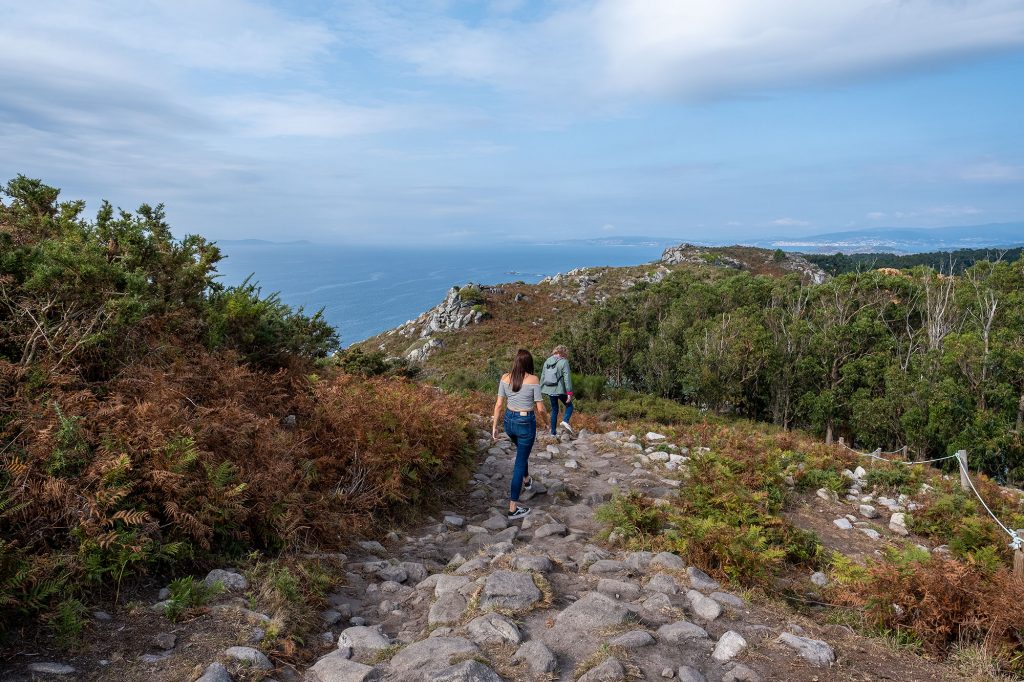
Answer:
(561, 350)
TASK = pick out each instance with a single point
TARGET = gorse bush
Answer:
(152, 419)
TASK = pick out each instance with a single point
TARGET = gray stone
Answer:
(868, 512)
(871, 533)
(374, 547)
(509, 590)
(730, 645)
(216, 672)
(814, 651)
(363, 640)
(605, 566)
(703, 607)
(689, 674)
(165, 593)
(454, 521)
(104, 616)
(699, 580)
(448, 609)
(549, 529)
(898, 524)
(726, 599)
(537, 657)
(619, 589)
(444, 583)
(229, 580)
(843, 524)
(664, 583)
(153, 658)
(819, 579)
(165, 640)
(609, 671)
(335, 667)
(741, 673)
(632, 640)
(592, 611)
(249, 656)
(667, 560)
(395, 573)
(658, 601)
(540, 564)
(51, 668)
(415, 570)
(681, 631)
(638, 561)
(420, 660)
(467, 671)
(572, 464)
(496, 522)
(492, 628)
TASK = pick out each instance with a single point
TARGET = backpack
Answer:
(550, 375)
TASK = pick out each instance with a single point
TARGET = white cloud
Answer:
(790, 222)
(876, 215)
(993, 172)
(693, 48)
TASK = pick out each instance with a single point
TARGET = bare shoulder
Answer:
(505, 377)
(531, 379)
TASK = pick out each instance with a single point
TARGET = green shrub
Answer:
(472, 294)
(896, 477)
(632, 516)
(188, 593)
(588, 386)
(813, 478)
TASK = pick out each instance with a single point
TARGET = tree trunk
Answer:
(828, 433)
(1020, 413)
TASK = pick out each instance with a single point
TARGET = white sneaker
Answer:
(565, 425)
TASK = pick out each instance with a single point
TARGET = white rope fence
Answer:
(1016, 542)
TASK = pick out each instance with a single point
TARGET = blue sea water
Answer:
(366, 290)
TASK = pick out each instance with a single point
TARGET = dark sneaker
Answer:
(519, 513)
(528, 486)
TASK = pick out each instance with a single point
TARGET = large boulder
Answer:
(335, 667)
(593, 611)
(492, 628)
(609, 671)
(467, 671)
(363, 640)
(814, 651)
(537, 657)
(681, 631)
(421, 660)
(509, 590)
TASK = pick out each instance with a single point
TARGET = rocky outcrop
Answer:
(461, 307)
(689, 254)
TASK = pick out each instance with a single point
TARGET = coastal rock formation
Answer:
(689, 254)
(460, 308)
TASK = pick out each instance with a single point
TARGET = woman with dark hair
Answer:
(521, 389)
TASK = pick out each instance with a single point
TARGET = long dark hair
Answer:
(521, 366)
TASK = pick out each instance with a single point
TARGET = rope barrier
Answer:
(1016, 542)
(874, 455)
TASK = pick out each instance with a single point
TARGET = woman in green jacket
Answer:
(556, 384)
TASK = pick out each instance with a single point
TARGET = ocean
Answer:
(366, 290)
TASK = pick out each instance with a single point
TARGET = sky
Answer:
(435, 122)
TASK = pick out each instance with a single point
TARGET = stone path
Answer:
(473, 598)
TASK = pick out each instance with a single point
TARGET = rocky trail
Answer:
(470, 597)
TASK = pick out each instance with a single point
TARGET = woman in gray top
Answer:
(520, 389)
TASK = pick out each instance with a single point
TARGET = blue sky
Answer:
(435, 122)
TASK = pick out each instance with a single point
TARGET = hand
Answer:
(568, 398)
(494, 432)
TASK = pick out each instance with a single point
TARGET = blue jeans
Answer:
(522, 430)
(554, 411)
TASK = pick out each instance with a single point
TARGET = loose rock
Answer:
(729, 646)
(814, 651)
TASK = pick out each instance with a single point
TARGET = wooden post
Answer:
(842, 441)
(1018, 563)
(905, 453)
(965, 481)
